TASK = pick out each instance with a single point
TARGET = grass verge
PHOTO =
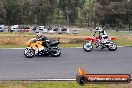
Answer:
(58, 84)
(48, 84)
(61, 45)
(17, 40)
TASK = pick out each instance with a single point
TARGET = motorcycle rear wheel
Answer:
(113, 47)
(56, 52)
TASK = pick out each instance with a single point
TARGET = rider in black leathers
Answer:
(43, 38)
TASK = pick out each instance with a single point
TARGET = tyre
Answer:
(45, 54)
(81, 80)
(55, 52)
(87, 46)
(29, 53)
(112, 47)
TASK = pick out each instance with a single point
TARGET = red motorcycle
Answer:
(88, 46)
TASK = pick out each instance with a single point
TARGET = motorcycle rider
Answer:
(43, 38)
(103, 37)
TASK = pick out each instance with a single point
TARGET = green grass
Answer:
(120, 42)
(61, 45)
(109, 32)
(49, 84)
(57, 84)
(12, 46)
(70, 45)
(18, 40)
(124, 42)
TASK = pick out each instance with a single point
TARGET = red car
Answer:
(24, 29)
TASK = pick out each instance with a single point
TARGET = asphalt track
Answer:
(15, 66)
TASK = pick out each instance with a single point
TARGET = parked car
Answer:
(63, 31)
(24, 29)
(2, 28)
(48, 27)
(14, 28)
(75, 32)
(51, 31)
(43, 29)
(55, 30)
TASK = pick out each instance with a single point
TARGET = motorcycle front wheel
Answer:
(55, 52)
(29, 53)
(87, 46)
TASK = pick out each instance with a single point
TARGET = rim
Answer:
(88, 46)
(56, 52)
(29, 52)
(113, 46)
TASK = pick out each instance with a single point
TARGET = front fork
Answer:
(35, 49)
(97, 43)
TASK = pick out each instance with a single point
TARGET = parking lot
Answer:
(43, 29)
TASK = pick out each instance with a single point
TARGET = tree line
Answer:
(109, 13)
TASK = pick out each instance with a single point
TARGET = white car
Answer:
(14, 28)
(68, 31)
(2, 28)
(43, 29)
(51, 32)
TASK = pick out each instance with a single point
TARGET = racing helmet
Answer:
(99, 29)
(39, 34)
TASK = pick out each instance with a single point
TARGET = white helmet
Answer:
(39, 34)
(98, 29)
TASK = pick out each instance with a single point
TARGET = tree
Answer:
(27, 12)
(112, 13)
(13, 11)
(88, 12)
(70, 9)
(2, 12)
(43, 9)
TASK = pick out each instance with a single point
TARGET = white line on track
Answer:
(52, 79)
(44, 80)
(41, 79)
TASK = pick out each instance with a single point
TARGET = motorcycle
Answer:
(88, 46)
(35, 47)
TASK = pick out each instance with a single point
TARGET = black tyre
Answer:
(45, 54)
(81, 80)
(55, 52)
(29, 53)
(112, 47)
(87, 46)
